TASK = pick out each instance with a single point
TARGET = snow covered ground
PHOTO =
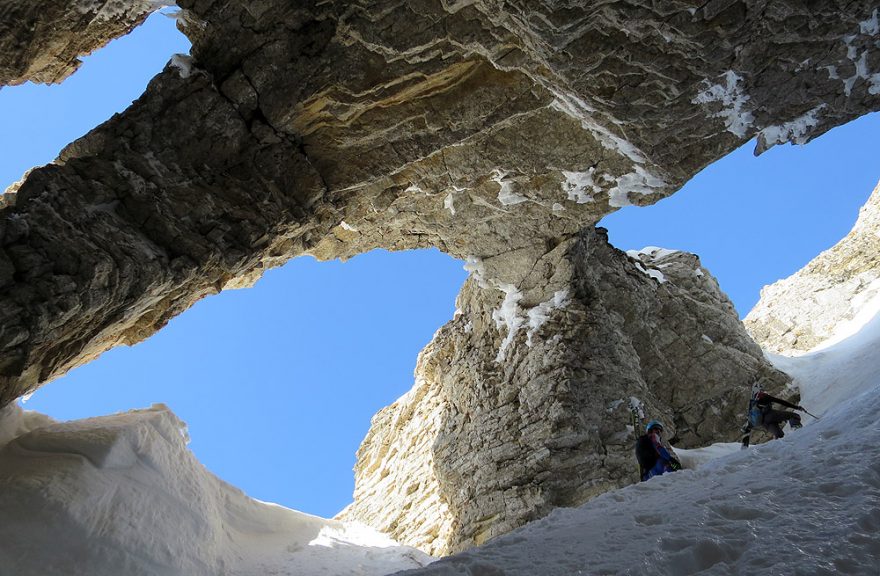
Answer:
(122, 495)
(808, 504)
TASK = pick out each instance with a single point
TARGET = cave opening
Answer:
(754, 221)
(251, 431)
(39, 120)
(278, 382)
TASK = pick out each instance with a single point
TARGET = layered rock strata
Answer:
(41, 42)
(331, 128)
(520, 407)
(838, 287)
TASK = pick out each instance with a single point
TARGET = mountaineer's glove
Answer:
(675, 465)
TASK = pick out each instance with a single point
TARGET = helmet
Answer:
(758, 387)
(653, 424)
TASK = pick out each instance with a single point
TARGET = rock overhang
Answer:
(333, 128)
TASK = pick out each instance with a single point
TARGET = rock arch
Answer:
(497, 132)
(333, 128)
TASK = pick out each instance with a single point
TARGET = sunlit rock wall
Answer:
(522, 406)
(804, 310)
(330, 128)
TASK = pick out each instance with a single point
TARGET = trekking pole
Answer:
(636, 418)
(808, 414)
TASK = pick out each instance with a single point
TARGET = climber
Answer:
(655, 457)
(762, 415)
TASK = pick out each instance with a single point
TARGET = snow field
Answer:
(805, 505)
(808, 504)
(122, 494)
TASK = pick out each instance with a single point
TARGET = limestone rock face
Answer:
(41, 41)
(802, 311)
(520, 407)
(331, 128)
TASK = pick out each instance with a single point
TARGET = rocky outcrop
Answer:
(41, 42)
(520, 407)
(798, 313)
(331, 128)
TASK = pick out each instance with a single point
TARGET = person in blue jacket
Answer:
(654, 456)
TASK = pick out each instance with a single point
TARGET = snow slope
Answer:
(808, 504)
(122, 495)
(837, 369)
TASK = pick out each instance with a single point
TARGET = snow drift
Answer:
(808, 504)
(123, 495)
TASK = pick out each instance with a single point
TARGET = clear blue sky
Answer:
(278, 382)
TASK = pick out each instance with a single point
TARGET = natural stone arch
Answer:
(497, 133)
(334, 128)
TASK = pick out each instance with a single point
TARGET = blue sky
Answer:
(278, 382)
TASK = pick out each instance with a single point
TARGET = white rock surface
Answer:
(817, 304)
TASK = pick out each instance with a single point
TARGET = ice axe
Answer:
(804, 410)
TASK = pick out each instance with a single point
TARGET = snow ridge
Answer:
(123, 495)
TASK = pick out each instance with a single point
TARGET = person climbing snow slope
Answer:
(763, 415)
(655, 457)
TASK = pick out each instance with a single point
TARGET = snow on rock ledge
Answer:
(830, 298)
(122, 494)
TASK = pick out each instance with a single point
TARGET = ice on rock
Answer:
(580, 187)
(796, 131)
(539, 314)
(183, 63)
(506, 195)
(732, 98)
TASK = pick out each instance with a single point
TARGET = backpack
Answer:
(645, 452)
(756, 413)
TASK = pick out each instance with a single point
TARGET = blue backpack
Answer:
(756, 415)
